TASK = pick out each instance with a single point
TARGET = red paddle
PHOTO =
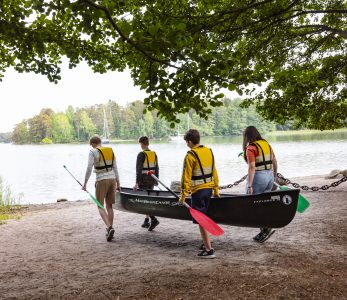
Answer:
(203, 220)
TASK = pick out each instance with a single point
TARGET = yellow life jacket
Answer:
(203, 170)
(150, 162)
(263, 160)
(106, 159)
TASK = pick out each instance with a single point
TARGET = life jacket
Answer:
(106, 159)
(203, 170)
(263, 160)
(150, 162)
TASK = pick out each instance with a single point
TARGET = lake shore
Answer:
(59, 251)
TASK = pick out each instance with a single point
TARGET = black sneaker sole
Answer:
(266, 238)
(110, 235)
(152, 227)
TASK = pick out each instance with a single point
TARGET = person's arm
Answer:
(157, 167)
(89, 170)
(216, 182)
(275, 167)
(251, 155)
(186, 177)
(251, 172)
(139, 166)
(115, 170)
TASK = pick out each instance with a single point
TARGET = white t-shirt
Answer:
(94, 157)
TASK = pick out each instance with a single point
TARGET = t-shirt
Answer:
(252, 152)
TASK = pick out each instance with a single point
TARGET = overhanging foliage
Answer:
(184, 52)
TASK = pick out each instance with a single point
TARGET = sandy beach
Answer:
(59, 251)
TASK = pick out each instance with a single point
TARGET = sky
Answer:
(23, 95)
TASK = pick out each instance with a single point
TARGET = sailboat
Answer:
(179, 136)
(106, 131)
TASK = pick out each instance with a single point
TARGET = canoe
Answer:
(273, 209)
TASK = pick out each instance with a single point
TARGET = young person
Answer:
(147, 160)
(107, 180)
(200, 178)
(262, 169)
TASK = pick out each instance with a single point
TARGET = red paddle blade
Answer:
(205, 222)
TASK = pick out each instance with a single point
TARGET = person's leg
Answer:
(263, 182)
(110, 199)
(205, 238)
(100, 193)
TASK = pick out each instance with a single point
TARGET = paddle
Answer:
(203, 220)
(90, 195)
(303, 203)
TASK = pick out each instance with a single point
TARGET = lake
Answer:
(37, 171)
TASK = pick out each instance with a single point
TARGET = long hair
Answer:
(250, 135)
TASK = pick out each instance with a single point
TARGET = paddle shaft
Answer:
(171, 191)
(90, 195)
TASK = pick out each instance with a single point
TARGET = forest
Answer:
(131, 122)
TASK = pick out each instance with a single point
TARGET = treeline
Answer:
(130, 122)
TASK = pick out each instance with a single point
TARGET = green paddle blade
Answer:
(303, 203)
(95, 200)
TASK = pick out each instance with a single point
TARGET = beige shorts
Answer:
(106, 189)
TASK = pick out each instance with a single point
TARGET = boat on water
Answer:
(105, 139)
(274, 209)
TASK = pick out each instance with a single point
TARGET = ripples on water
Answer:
(37, 170)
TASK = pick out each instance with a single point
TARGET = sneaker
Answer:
(110, 233)
(263, 235)
(154, 223)
(206, 254)
(202, 247)
(146, 223)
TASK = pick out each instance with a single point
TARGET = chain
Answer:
(233, 184)
(296, 185)
(313, 188)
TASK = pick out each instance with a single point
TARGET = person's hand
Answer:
(182, 200)
(136, 187)
(249, 190)
(84, 187)
(216, 195)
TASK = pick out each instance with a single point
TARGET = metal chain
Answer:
(313, 188)
(296, 185)
(233, 184)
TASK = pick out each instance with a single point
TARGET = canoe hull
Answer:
(273, 209)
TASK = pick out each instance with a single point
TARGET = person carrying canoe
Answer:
(200, 178)
(107, 180)
(262, 170)
(147, 160)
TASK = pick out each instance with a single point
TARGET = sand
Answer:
(59, 251)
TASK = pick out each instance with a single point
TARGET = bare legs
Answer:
(107, 215)
(205, 238)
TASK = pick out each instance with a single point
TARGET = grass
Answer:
(305, 132)
(9, 203)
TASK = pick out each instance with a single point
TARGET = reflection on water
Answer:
(37, 170)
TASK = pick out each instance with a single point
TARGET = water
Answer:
(37, 170)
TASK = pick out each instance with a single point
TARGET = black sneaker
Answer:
(263, 235)
(202, 247)
(110, 233)
(146, 223)
(206, 254)
(154, 223)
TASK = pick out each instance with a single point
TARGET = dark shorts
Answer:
(201, 200)
(146, 187)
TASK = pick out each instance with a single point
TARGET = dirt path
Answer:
(59, 251)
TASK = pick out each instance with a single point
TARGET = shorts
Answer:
(201, 201)
(105, 189)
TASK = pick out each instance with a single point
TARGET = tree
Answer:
(62, 129)
(184, 52)
(85, 126)
(20, 133)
